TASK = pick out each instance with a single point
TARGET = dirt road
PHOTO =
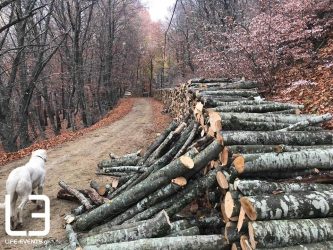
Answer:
(75, 163)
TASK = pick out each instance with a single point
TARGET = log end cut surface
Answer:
(248, 207)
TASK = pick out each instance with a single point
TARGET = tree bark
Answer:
(282, 233)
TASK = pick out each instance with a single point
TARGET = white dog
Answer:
(23, 181)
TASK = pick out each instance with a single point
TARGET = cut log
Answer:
(308, 122)
(169, 139)
(290, 175)
(136, 169)
(236, 246)
(145, 203)
(261, 108)
(237, 124)
(232, 204)
(101, 190)
(188, 141)
(326, 245)
(72, 238)
(255, 149)
(94, 196)
(159, 225)
(317, 158)
(108, 210)
(258, 187)
(210, 100)
(244, 242)
(123, 187)
(157, 142)
(186, 232)
(65, 195)
(77, 194)
(131, 160)
(198, 242)
(223, 178)
(282, 233)
(231, 234)
(238, 92)
(176, 203)
(276, 137)
(210, 224)
(260, 117)
(226, 85)
(312, 204)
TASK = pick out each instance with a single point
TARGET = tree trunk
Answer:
(282, 233)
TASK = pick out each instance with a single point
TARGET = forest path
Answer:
(75, 163)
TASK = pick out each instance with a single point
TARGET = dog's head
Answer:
(41, 153)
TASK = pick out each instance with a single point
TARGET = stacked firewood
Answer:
(140, 207)
(240, 173)
(177, 101)
(277, 167)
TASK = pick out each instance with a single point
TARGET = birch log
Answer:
(282, 233)
(312, 204)
(197, 242)
(276, 137)
(321, 159)
(258, 187)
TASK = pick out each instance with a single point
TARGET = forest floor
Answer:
(75, 163)
(309, 83)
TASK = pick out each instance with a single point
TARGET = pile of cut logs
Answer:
(238, 173)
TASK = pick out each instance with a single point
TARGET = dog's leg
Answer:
(20, 208)
(13, 218)
(40, 192)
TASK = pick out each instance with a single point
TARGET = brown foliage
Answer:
(123, 108)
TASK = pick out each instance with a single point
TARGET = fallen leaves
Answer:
(123, 107)
(317, 98)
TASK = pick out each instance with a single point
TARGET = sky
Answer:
(159, 9)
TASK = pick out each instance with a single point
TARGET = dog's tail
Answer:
(2, 205)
